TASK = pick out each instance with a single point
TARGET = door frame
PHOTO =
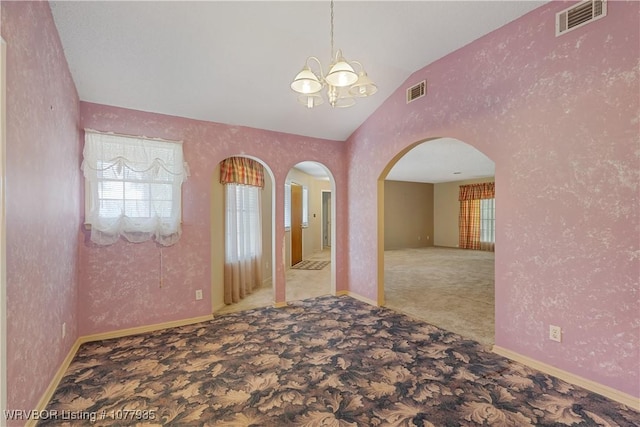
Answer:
(326, 219)
(3, 223)
(297, 227)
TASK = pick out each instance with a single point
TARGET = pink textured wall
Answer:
(559, 116)
(120, 283)
(42, 203)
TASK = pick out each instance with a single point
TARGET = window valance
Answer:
(241, 170)
(136, 157)
(485, 190)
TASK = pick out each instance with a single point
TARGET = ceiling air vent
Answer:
(416, 91)
(580, 14)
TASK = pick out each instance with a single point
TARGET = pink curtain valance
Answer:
(241, 170)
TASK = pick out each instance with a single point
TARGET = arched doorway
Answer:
(424, 272)
(263, 295)
(309, 234)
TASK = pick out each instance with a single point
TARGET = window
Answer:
(305, 207)
(133, 188)
(243, 222)
(287, 206)
(487, 220)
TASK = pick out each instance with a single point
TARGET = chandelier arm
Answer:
(319, 66)
(359, 64)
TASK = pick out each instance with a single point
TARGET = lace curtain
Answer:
(133, 188)
(243, 179)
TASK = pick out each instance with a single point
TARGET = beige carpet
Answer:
(449, 288)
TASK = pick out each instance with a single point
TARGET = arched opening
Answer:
(422, 270)
(309, 231)
(263, 295)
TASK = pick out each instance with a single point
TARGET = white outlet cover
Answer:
(199, 294)
(555, 333)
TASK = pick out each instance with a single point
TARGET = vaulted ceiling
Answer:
(233, 61)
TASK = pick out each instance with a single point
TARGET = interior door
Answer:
(296, 223)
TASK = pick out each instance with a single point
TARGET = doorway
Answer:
(263, 295)
(422, 271)
(310, 263)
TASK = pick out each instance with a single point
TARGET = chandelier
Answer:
(342, 83)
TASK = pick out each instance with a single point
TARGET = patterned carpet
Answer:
(328, 361)
(310, 265)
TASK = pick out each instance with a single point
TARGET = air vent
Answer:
(417, 91)
(579, 15)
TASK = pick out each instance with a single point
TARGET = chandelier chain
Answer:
(341, 82)
(331, 57)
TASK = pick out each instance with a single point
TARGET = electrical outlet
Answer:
(199, 294)
(64, 329)
(555, 333)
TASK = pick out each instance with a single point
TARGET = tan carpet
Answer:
(447, 287)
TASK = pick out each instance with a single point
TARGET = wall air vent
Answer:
(416, 91)
(580, 14)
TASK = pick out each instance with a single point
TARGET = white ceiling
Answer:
(436, 161)
(233, 61)
(442, 160)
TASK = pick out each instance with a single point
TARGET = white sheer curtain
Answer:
(487, 224)
(133, 188)
(243, 240)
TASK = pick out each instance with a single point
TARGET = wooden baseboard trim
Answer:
(53, 385)
(606, 391)
(55, 381)
(144, 329)
(358, 297)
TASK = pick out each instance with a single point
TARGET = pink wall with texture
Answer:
(559, 116)
(42, 201)
(120, 283)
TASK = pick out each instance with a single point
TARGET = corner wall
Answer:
(559, 117)
(42, 202)
(120, 286)
(408, 215)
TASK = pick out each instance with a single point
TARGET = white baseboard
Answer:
(55, 381)
(606, 391)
